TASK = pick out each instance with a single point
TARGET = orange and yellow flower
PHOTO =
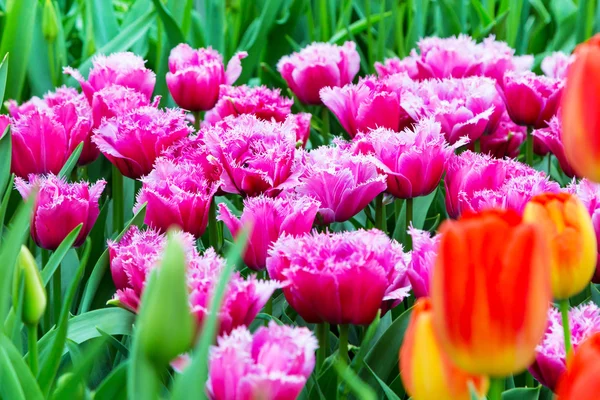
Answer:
(580, 381)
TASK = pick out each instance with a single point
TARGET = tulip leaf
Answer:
(4, 204)
(58, 255)
(214, 23)
(28, 384)
(357, 385)
(357, 27)
(172, 30)
(10, 387)
(421, 207)
(71, 162)
(3, 76)
(104, 21)
(5, 156)
(522, 394)
(102, 265)
(114, 386)
(389, 393)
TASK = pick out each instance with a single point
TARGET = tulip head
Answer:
(426, 371)
(34, 294)
(581, 379)
(573, 248)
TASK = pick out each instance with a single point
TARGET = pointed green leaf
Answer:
(3, 76)
(71, 162)
(5, 159)
(28, 383)
(60, 253)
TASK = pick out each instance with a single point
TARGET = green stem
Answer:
(32, 344)
(324, 21)
(370, 45)
(213, 233)
(549, 163)
(529, 381)
(529, 147)
(57, 293)
(117, 194)
(52, 63)
(343, 348)
(197, 119)
(564, 311)
(326, 125)
(268, 309)
(496, 389)
(477, 146)
(379, 212)
(322, 333)
(409, 219)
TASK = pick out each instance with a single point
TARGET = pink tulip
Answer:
(422, 260)
(391, 66)
(550, 138)
(274, 364)
(260, 101)
(550, 361)
(134, 140)
(123, 69)
(195, 76)
(475, 182)
(413, 160)
(589, 194)
(340, 278)
(531, 100)
(504, 141)
(115, 100)
(51, 99)
(319, 65)
(556, 64)
(270, 218)
(177, 193)
(257, 156)
(301, 123)
(343, 183)
(60, 207)
(373, 103)
(4, 123)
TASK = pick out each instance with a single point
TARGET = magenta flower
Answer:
(340, 278)
(556, 64)
(343, 183)
(274, 364)
(301, 123)
(59, 207)
(413, 160)
(123, 69)
(504, 141)
(422, 260)
(134, 256)
(550, 138)
(476, 181)
(260, 101)
(319, 65)
(134, 140)
(550, 360)
(177, 194)
(270, 218)
(192, 150)
(4, 123)
(531, 100)
(195, 76)
(589, 194)
(51, 99)
(257, 156)
(116, 100)
(391, 66)
(373, 103)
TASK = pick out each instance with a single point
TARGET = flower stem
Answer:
(529, 148)
(326, 125)
(549, 163)
(496, 389)
(322, 333)
(268, 309)
(409, 219)
(56, 293)
(343, 348)
(477, 146)
(197, 119)
(529, 381)
(564, 311)
(117, 193)
(213, 233)
(379, 213)
(32, 344)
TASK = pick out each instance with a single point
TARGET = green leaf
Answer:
(389, 393)
(114, 386)
(214, 23)
(17, 37)
(3, 75)
(172, 30)
(595, 294)
(66, 170)
(4, 205)
(522, 394)
(5, 157)
(10, 387)
(58, 255)
(104, 21)
(358, 386)
(27, 381)
(357, 27)
(421, 207)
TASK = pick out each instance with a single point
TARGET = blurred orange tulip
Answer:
(568, 226)
(491, 291)
(580, 381)
(581, 111)
(426, 371)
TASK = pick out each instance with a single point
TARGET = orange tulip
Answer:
(580, 381)
(568, 226)
(491, 291)
(581, 111)
(426, 371)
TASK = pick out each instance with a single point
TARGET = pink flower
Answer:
(115, 100)
(274, 364)
(134, 256)
(4, 123)
(550, 138)
(504, 141)
(319, 65)
(195, 76)
(257, 156)
(59, 207)
(476, 181)
(589, 194)
(340, 278)
(556, 64)
(343, 183)
(301, 123)
(260, 101)
(270, 218)
(177, 194)
(391, 66)
(134, 140)
(373, 103)
(413, 160)
(550, 361)
(192, 150)
(51, 99)
(123, 69)
(422, 260)
(531, 100)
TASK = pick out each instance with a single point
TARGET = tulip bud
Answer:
(570, 232)
(49, 22)
(165, 322)
(34, 294)
(426, 371)
(64, 388)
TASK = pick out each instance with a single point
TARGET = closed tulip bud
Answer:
(491, 291)
(580, 134)
(426, 371)
(50, 22)
(165, 322)
(568, 226)
(34, 294)
(580, 381)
